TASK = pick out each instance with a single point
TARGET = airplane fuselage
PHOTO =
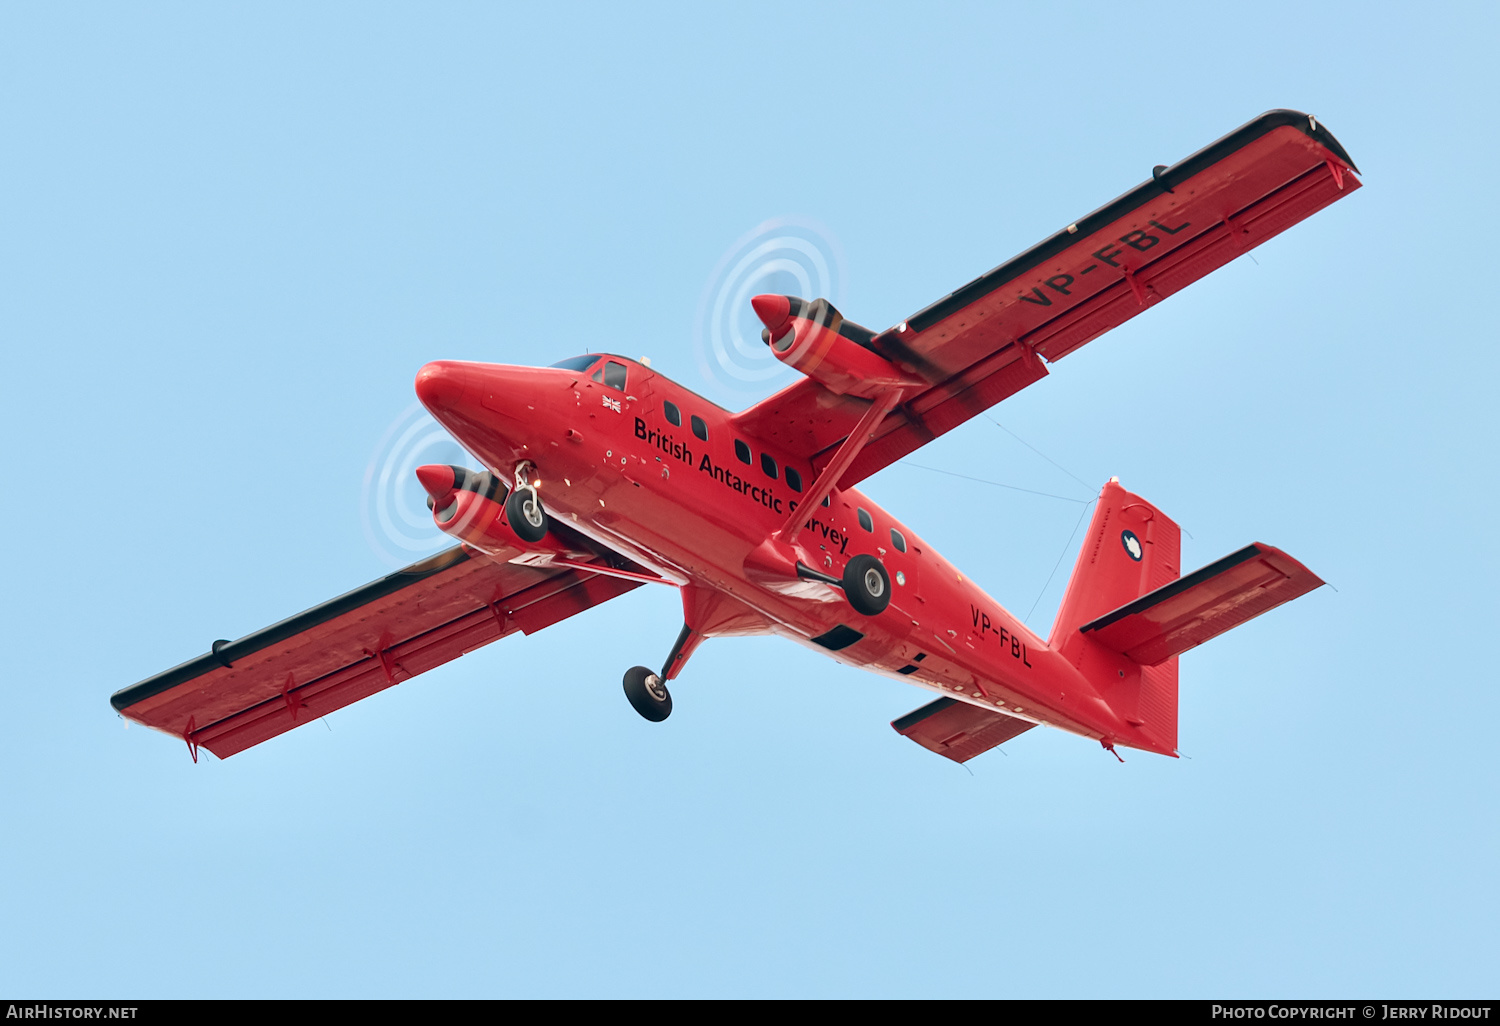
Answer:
(653, 471)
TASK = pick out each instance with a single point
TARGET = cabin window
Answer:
(897, 540)
(768, 466)
(699, 428)
(674, 415)
(742, 452)
(865, 521)
(793, 479)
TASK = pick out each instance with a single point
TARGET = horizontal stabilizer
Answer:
(1202, 605)
(958, 731)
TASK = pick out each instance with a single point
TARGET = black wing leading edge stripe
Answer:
(916, 716)
(290, 627)
(1118, 208)
(1177, 587)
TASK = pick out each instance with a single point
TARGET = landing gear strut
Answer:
(866, 583)
(523, 507)
(648, 693)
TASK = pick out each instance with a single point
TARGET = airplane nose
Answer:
(442, 384)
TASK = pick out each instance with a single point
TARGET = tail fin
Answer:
(1128, 612)
(1131, 548)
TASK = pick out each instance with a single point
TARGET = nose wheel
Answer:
(523, 508)
(648, 693)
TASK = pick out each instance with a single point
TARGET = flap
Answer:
(981, 343)
(247, 691)
(1202, 605)
(957, 730)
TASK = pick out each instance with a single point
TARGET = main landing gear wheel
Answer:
(866, 585)
(524, 513)
(648, 693)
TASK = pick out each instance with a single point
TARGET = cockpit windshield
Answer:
(577, 363)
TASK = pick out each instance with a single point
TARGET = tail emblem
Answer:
(1132, 545)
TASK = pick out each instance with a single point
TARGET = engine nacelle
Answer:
(470, 506)
(814, 338)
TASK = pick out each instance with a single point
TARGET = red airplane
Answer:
(755, 518)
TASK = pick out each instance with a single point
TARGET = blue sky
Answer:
(229, 236)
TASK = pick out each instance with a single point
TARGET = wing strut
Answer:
(609, 571)
(862, 433)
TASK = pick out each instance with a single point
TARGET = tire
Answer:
(867, 586)
(648, 693)
(524, 513)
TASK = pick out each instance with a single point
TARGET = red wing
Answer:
(958, 731)
(980, 344)
(348, 648)
(1202, 605)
